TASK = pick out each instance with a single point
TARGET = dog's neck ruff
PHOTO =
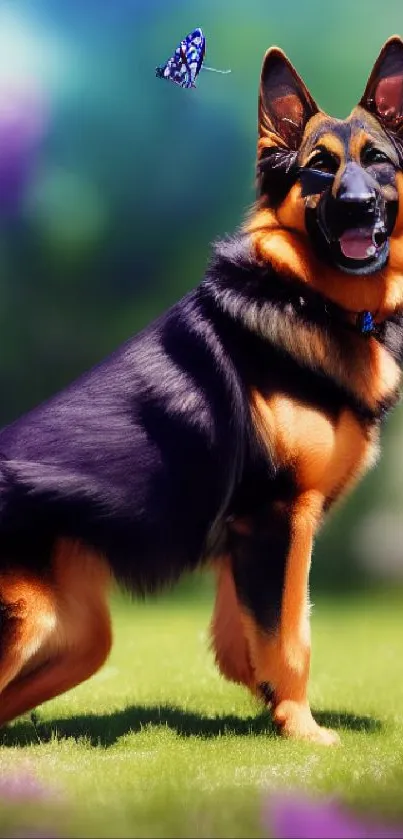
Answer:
(361, 322)
(236, 268)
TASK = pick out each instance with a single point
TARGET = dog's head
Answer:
(330, 203)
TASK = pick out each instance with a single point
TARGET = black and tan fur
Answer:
(222, 433)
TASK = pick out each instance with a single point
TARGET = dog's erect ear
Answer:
(285, 105)
(384, 91)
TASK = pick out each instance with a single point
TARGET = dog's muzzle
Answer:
(351, 227)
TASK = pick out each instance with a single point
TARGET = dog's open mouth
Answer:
(351, 238)
(362, 243)
(361, 249)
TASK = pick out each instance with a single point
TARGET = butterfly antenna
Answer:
(213, 70)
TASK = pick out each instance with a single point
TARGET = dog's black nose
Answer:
(356, 186)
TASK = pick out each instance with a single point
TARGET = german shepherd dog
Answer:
(223, 432)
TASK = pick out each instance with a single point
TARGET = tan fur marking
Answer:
(30, 608)
(75, 636)
(228, 639)
(268, 140)
(374, 132)
(291, 213)
(326, 456)
(358, 140)
(332, 143)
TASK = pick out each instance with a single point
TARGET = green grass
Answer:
(157, 744)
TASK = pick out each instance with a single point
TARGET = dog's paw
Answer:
(295, 720)
(321, 736)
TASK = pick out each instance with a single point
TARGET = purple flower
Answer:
(297, 817)
(23, 119)
(22, 786)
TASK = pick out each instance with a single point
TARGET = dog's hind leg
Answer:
(54, 634)
(27, 620)
(228, 638)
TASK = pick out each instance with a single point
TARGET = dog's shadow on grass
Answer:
(106, 729)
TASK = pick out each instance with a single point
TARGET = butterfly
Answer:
(186, 62)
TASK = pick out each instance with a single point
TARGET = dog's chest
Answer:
(325, 454)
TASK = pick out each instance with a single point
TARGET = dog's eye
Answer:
(371, 155)
(324, 161)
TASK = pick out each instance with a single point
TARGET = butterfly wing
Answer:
(185, 64)
(175, 69)
(195, 52)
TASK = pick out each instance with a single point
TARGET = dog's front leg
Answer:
(271, 557)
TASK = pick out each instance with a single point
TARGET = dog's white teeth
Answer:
(371, 250)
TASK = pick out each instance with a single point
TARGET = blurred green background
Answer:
(113, 183)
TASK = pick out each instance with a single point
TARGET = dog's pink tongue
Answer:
(357, 244)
